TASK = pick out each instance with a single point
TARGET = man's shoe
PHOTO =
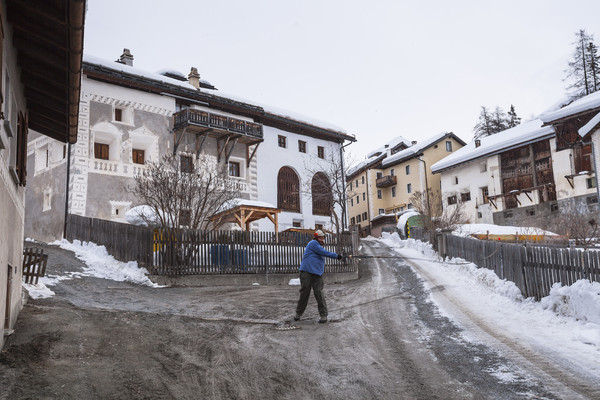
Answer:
(323, 320)
(297, 317)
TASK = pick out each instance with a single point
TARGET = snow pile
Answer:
(39, 290)
(294, 282)
(581, 300)
(568, 320)
(100, 264)
(141, 215)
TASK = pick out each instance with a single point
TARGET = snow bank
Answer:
(100, 264)
(482, 229)
(581, 300)
(568, 320)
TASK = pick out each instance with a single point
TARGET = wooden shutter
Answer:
(288, 190)
(321, 194)
(22, 132)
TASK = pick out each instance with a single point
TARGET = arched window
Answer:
(288, 190)
(321, 194)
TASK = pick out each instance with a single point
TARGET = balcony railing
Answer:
(217, 122)
(385, 181)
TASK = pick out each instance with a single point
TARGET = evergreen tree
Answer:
(499, 120)
(579, 68)
(594, 66)
(512, 120)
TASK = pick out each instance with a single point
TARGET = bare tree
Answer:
(184, 193)
(438, 216)
(574, 221)
(327, 187)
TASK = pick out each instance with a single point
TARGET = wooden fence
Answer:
(124, 242)
(34, 264)
(189, 252)
(533, 268)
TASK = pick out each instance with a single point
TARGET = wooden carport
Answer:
(244, 214)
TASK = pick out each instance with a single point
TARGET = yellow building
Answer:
(384, 184)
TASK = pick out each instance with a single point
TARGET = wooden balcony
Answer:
(204, 122)
(385, 181)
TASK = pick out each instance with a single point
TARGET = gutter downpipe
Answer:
(426, 185)
(67, 189)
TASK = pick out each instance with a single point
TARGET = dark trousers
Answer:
(310, 281)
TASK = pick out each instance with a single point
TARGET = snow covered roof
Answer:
(354, 169)
(527, 132)
(589, 102)
(389, 145)
(587, 128)
(414, 149)
(245, 202)
(162, 76)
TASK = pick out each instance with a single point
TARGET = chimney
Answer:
(413, 142)
(194, 78)
(126, 58)
(477, 142)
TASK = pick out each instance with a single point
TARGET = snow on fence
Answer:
(188, 252)
(533, 268)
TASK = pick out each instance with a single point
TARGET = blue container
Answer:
(220, 254)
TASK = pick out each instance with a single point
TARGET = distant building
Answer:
(384, 184)
(129, 117)
(39, 83)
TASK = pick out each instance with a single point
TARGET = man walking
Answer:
(311, 271)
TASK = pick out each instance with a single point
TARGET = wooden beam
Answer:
(176, 140)
(249, 158)
(220, 150)
(228, 154)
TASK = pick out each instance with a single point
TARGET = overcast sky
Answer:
(377, 69)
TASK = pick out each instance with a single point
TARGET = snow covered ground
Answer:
(565, 324)
(98, 263)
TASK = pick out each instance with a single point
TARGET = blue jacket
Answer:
(313, 260)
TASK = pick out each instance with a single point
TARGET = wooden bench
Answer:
(34, 264)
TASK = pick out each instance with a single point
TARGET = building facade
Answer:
(129, 117)
(386, 183)
(38, 61)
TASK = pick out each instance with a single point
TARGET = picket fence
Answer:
(192, 252)
(533, 268)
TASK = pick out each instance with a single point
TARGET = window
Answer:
(101, 151)
(301, 146)
(452, 200)
(321, 195)
(553, 207)
(186, 164)
(363, 179)
(408, 170)
(381, 211)
(479, 214)
(297, 224)
(282, 141)
(448, 146)
(351, 202)
(379, 175)
(379, 194)
(137, 156)
(392, 172)
(484, 195)
(456, 180)
(352, 221)
(465, 196)
(357, 183)
(583, 158)
(409, 188)
(591, 183)
(358, 218)
(364, 196)
(47, 204)
(409, 206)
(592, 200)
(394, 191)
(531, 212)
(350, 185)
(483, 167)
(357, 199)
(234, 169)
(123, 114)
(288, 190)
(364, 216)
(185, 217)
(319, 226)
(320, 151)
(118, 114)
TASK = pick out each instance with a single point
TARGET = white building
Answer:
(39, 86)
(129, 116)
